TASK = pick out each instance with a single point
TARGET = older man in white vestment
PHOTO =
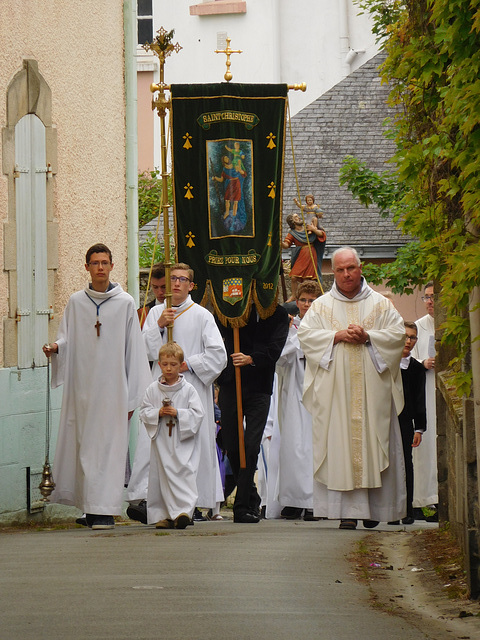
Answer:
(100, 358)
(194, 329)
(353, 339)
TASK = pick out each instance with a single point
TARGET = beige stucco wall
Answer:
(146, 118)
(79, 50)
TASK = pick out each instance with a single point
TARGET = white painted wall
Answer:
(288, 41)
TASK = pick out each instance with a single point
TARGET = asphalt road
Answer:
(271, 580)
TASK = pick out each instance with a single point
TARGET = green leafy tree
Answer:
(432, 67)
(149, 207)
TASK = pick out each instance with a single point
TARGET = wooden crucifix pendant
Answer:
(97, 327)
(171, 423)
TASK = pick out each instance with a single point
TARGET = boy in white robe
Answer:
(295, 480)
(195, 330)
(172, 413)
(100, 358)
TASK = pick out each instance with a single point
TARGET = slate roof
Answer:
(346, 120)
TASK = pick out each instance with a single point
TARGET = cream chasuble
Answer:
(349, 388)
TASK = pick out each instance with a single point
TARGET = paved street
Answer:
(271, 580)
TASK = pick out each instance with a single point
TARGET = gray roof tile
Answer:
(347, 120)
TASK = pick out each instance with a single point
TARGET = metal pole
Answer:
(162, 46)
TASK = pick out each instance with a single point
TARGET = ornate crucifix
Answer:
(228, 52)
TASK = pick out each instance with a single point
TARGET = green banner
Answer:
(228, 153)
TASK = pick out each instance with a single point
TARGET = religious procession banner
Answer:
(228, 154)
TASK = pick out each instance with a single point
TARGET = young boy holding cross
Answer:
(172, 413)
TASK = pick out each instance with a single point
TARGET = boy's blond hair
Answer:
(172, 349)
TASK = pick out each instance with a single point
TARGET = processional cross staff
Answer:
(228, 52)
(162, 47)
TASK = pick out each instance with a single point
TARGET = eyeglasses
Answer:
(104, 263)
(305, 300)
(412, 338)
(179, 278)
(425, 298)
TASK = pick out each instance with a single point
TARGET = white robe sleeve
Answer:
(59, 360)
(190, 419)
(149, 411)
(208, 363)
(137, 368)
(290, 349)
(153, 336)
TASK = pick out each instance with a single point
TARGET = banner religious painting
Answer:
(230, 193)
(228, 155)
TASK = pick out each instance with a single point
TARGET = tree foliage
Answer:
(150, 196)
(149, 207)
(432, 67)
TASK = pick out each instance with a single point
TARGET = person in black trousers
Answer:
(261, 343)
(413, 418)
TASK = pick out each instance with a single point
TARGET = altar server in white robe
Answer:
(194, 329)
(353, 340)
(172, 413)
(295, 478)
(100, 358)
(425, 490)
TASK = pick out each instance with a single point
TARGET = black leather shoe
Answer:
(408, 520)
(138, 512)
(247, 517)
(291, 513)
(309, 517)
(370, 524)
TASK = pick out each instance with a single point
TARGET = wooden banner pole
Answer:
(238, 387)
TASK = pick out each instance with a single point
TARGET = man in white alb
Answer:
(100, 359)
(353, 339)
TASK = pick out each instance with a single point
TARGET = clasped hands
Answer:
(354, 334)
(168, 410)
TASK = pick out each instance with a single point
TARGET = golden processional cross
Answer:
(228, 52)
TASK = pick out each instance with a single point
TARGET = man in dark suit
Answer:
(413, 419)
(261, 343)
